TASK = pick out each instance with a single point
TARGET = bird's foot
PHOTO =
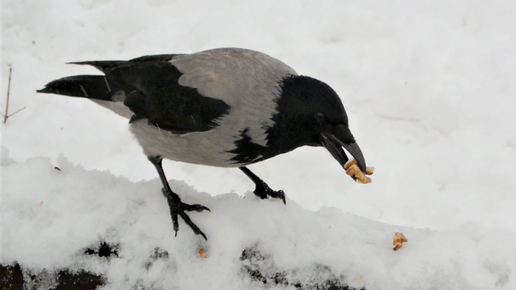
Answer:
(178, 208)
(263, 190)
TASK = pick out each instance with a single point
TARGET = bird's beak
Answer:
(342, 138)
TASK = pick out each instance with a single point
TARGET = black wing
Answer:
(153, 92)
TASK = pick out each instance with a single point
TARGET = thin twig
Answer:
(17, 111)
(7, 99)
(8, 94)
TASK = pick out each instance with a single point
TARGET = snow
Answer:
(429, 89)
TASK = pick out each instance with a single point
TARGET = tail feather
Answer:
(101, 65)
(84, 86)
(104, 65)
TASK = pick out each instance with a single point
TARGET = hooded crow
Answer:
(226, 107)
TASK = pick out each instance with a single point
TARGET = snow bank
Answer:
(51, 213)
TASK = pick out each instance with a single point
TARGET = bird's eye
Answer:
(321, 118)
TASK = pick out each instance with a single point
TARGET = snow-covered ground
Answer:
(430, 92)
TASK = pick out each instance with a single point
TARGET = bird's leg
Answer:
(174, 202)
(262, 189)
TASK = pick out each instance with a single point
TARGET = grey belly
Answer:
(205, 148)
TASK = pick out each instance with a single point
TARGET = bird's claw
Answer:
(178, 208)
(279, 194)
(194, 207)
(264, 191)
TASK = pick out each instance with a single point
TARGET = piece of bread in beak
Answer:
(353, 170)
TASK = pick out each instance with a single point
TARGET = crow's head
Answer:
(311, 113)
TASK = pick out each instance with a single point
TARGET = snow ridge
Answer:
(58, 211)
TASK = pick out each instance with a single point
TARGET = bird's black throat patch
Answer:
(246, 151)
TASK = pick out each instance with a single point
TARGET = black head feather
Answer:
(306, 108)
